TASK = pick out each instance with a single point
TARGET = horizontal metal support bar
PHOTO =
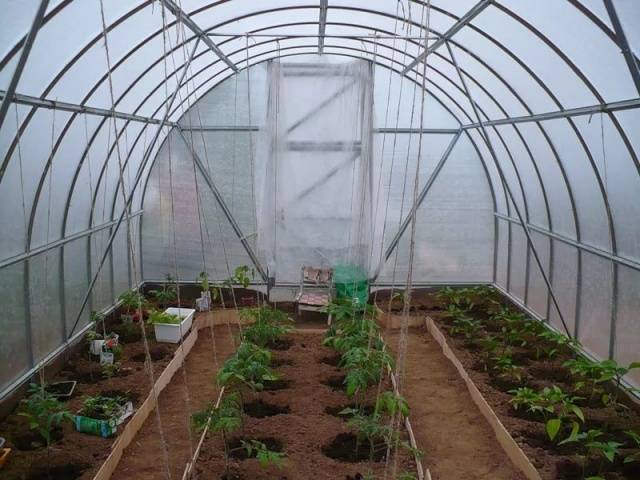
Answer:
(221, 128)
(462, 21)
(60, 242)
(587, 248)
(570, 112)
(75, 108)
(255, 128)
(438, 131)
(324, 146)
(370, 36)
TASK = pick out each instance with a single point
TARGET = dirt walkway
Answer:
(457, 441)
(143, 459)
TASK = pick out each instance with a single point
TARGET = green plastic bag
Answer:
(352, 283)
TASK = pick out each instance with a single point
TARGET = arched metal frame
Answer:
(616, 36)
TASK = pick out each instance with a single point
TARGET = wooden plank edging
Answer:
(135, 424)
(508, 444)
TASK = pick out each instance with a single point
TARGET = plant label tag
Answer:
(106, 358)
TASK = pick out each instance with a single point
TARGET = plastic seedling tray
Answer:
(173, 333)
(62, 390)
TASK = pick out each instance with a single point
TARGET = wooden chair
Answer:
(314, 293)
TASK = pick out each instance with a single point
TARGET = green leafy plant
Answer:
(203, 278)
(242, 275)
(156, 316)
(635, 456)
(103, 408)
(268, 325)
(460, 298)
(44, 412)
(365, 367)
(556, 408)
(489, 347)
(165, 296)
(259, 450)
(224, 419)
(390, 403)
(605, 450)
(249, 367)
(131, 300)
(507, 369)
(552, 343)
(593, 376)
(465, 326)
(110, 370)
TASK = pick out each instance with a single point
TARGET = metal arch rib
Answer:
(193, 26)
(634, 70)
(322, 24)
(22, 61)
(462, 21)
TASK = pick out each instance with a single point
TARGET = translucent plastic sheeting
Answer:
(184, 222)
(14, 341)
(564, 279)
(627, 334)
(594, 329)
(315, 169)
(454, 226)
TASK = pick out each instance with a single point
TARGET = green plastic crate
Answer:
(352, 283)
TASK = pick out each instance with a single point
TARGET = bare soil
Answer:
(457, 441)
(305, 430)
(145, 457)
(553, 462)
(75, 455)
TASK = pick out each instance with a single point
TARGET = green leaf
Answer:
(575, 409)
(573, 436)
(553, 427)
(634, 365)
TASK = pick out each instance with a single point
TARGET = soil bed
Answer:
(305, 431)
(75, 455)
(551, 461)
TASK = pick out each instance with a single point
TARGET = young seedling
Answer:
(44, 412)
(268, 325)
(635, 456)
(259, 450)
(505, 368)
(156, 316)
(249, 367)
(225, 418)
(465, 326)
(110, 370)
(556, 408)
(165, 295)
(103, 408)
(589, 439)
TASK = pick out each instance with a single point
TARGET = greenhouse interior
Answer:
(337, 239)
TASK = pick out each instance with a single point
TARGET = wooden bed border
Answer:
(508, 444)
(219, 317)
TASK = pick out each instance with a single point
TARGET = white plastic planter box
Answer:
(167, 332)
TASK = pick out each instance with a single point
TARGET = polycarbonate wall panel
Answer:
(14, 356)
(518, 262)
(76, 283)
(44, 305)
(594, 329)
(620, 176)
(627, 333)
(176, 216)
(502, 254)
(565, 284)
(537, 295)
(454, 226)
